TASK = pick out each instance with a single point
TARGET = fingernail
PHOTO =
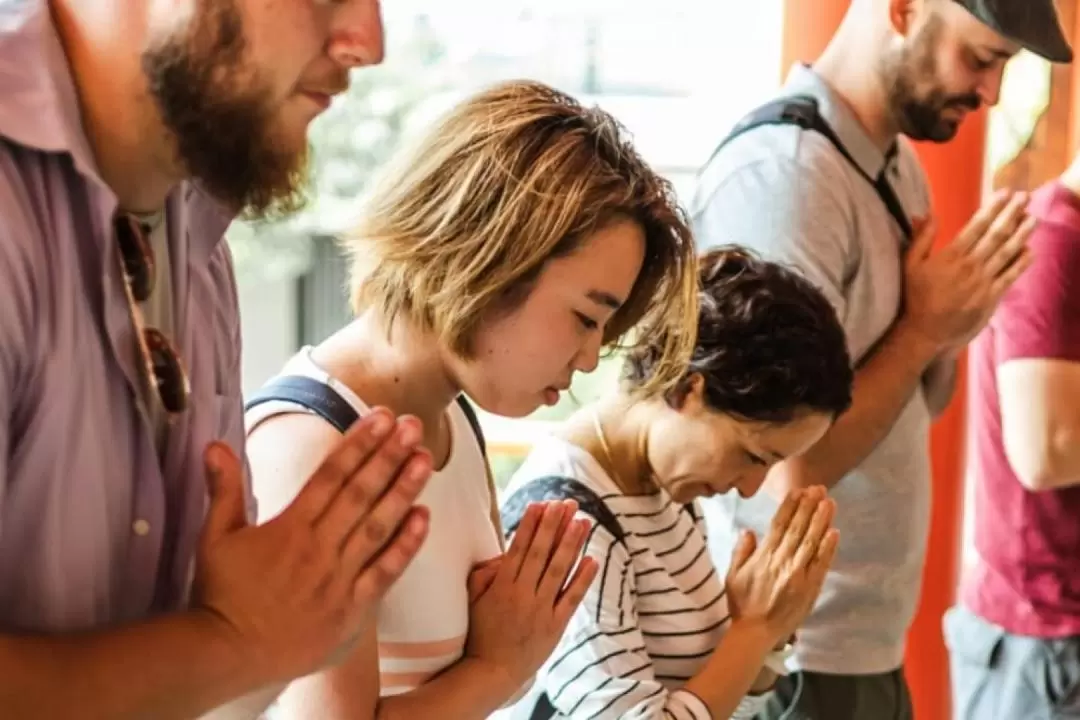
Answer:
(419, 468)
(381, 423)
(408, 432)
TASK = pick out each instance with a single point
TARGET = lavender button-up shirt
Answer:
(94, 529)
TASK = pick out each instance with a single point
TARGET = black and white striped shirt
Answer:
(652, 617)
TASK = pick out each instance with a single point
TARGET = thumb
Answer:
(481, 577)
(225, 479)
(923, 242)
(744, 548)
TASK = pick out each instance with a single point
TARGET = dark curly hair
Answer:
(768, 342)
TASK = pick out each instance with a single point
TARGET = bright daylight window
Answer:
(676, 74)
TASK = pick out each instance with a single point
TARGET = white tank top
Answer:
(424, 618)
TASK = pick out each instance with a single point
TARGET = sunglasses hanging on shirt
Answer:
(162, 362)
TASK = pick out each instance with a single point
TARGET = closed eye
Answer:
(754, 458)
(586, 322)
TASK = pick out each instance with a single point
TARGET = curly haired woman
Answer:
(660, 634)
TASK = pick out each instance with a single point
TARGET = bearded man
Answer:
(833, 187)
(131, 133)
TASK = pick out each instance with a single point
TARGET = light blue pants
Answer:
(999, 676)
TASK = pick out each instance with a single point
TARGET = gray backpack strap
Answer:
(555, 487)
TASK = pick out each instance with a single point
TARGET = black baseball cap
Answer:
(1031, 23)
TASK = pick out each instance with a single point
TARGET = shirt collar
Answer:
(802, 79)
(39, 109)
(39, 106)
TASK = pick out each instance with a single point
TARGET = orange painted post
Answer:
(1074, 115)
(956, 178)
(808, 27)
(956, 181)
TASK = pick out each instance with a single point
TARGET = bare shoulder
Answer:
(283, 451)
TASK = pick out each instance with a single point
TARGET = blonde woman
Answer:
(661, 632)
(495, 259)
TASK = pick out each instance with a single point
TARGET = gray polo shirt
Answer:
(788, 194)
(94, 530)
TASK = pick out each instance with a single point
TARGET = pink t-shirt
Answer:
(1027, 576)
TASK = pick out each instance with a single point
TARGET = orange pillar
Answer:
(808, 27)
(955, 170)
(1074, 121)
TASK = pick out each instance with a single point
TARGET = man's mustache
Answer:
(967, 102)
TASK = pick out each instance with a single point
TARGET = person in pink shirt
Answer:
(1014, 637)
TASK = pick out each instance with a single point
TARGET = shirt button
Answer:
(141, 527)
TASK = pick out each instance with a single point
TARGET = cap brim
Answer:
(1055, 49)
(1032, 24)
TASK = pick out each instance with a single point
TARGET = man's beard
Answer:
(916, 99)
(221, 117)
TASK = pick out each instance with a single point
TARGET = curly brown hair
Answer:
(768, 342)
(466, 218)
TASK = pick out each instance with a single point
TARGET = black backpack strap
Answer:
(543, 710)
(309, 393)
(327, 403)
(554, 487)
(474, 421)
(802, 110)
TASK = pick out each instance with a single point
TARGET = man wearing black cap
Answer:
(824, 178)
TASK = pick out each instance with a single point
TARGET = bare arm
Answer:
(884, 384)
(734, 670)
(248, 707)
(1040, 421)
(351, 689)
(174, 667)
(939, 382)
(1036, 348)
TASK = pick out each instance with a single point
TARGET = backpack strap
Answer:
(474, 423)
(803, 111)
(326, 402)
(310, 394)
(493, 491)
(554, 487)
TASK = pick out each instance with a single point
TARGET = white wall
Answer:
(268, 315)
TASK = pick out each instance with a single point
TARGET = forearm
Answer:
(1050, 462)
(732, 670)
(249, 707)
(764, 682)
(467, 689)
(939, 382)
(883, 387)
(175, 667)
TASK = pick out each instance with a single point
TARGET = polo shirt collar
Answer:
(803, 80)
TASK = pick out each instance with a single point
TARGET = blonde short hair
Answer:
(464, 221)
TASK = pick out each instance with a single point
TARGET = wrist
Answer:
(243, 668)
(755, 637)
(916, 344)
(764, 682)
(501, 680)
